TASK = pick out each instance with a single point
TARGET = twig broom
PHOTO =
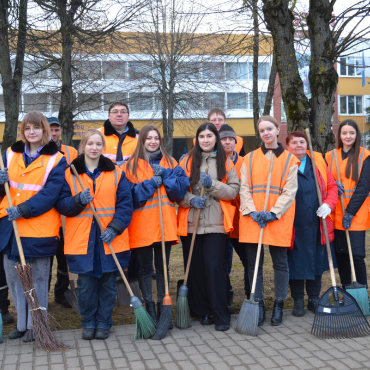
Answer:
(144, 325)
(247, 321)
(44, 337)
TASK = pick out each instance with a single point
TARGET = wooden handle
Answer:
(332, 274)
(353, 273)
(194, 235)
(14, 222)
(261, 232)
(102, 230)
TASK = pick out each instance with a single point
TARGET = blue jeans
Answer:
(96, 299)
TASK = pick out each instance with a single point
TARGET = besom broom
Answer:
(44, 337)
(356, 290)
(144, 325)
(334, 320)
(247, 321)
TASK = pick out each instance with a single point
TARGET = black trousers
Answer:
(241, 250)
(344, 269)
(4, 301)
(207, 280)
(313, 287)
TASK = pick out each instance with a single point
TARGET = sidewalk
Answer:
(289, 346)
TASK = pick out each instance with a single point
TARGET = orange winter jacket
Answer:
(70, 153)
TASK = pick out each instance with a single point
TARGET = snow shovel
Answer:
(123, 295)
(334, 319)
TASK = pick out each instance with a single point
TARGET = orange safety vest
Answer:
(70, 153)
(111, 141)
(227, 208)
(24, 183)
(279, 232)
(361, 220)
(144, 229)
(78, 228)
(238, 146)
(236, 201)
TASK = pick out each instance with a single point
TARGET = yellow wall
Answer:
(359, 121)
(353, 86)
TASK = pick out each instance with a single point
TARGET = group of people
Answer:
(122, 169)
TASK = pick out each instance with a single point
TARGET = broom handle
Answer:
(194, 235)
(332, 275)
(343, 211)
(102, 230)
(162, 239)
(14, 222)
(261, 232)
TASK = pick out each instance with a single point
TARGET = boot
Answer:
(298, 309)
(262, 312)
(159, 310)
(7, 317)
(312, 304)
(150, 307)
(277, 313)
(230, 303)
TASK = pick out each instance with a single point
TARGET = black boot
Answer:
(262, 312)
(298, 309)
(150, 307)
(230, 303)
(159, 310)
(277, 313)
(312, 304)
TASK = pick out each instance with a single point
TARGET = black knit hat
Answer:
(227, 131)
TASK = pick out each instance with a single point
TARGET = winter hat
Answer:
(227, 131)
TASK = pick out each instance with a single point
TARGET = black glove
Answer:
(340, 188)
(347, 220)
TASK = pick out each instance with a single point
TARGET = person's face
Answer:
(94, 147)
(118, 117)
(56, 132)
(268, 132)
(298, 147)
(229, 144)
(218, 120)
(152, 141)
(207, 140)
(33, 133)
(348, 135)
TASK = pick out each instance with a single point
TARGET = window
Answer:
(238, 71)
(191, 70)
(212, 100)
(55, 102)
(263, 71)
(37, 102)
(350, 104)
(237, 101)
(111, 97)
(35, 69)
(350, 67)
(139, 69)
(90, 70)
(141, 102)
(89, 102)
(114, 70)
(213, 71)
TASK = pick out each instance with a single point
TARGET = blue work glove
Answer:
(267, 216)
(347, 220)
(205, 180)
(85, 197)
(4, 177)
(108, 235)
(182, 157)
(119, 163)
(340, 188)
(158, 170)
(13, 213)
(158, 180)
(256, 218)
(198, 202)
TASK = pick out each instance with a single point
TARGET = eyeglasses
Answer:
(118, 111)
(34, 129)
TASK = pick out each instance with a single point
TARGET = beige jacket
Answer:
(211, 217)
(285, 199)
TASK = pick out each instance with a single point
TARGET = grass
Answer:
(68, 319)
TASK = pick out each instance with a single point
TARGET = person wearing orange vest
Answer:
(207, 282)
(35, 173)
(62, 283)
(308, 257)
(277, 221)
(86, 248)
(119, 133)
(150, 168)
(354, 170)
(228, 141)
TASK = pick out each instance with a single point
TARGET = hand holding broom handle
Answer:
(332, 275)
(14, 222)
(102, 230)
(194, 235)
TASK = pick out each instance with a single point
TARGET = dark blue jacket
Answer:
(37, 205)
(96, 262)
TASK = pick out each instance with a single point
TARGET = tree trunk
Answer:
(322, 76)
(279, 21)
(12, 84)
(271, 87)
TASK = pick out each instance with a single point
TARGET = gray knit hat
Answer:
(227, 131)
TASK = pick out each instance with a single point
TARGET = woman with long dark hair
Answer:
(207, 280)
(354, 169)
(149, 168)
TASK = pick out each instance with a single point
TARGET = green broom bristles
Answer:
(163, 323)
(247, 321)
(144, 325)
(182, 316)
(359, 293)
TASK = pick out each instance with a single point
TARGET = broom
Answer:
(356, 290)
(44, 337)
(247, 321)
(334, 320)
(144, 325)
(166, 313)
(182, 315)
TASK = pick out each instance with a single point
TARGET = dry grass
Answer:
(68, 319)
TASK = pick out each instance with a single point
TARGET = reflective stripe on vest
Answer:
(68, 156)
